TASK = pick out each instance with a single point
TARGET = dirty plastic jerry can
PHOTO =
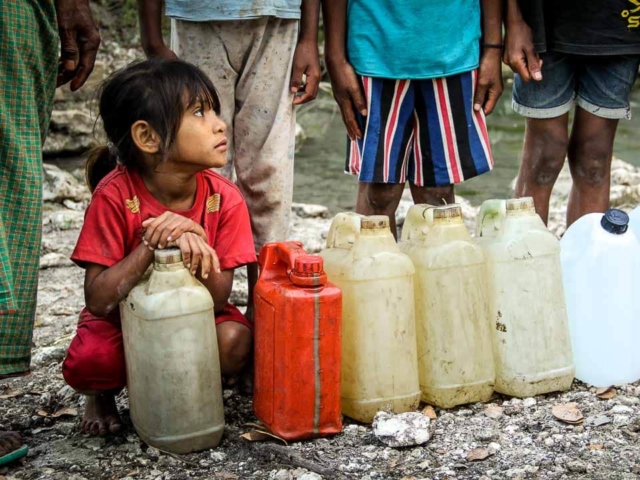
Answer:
(298, 317)
(173, 365)
(601, 268)
(379, 357)
(532, 347)
(452, 312)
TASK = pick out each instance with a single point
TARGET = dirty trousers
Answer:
(249, 63)
(95, 359)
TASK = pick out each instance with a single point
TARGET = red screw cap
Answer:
(308, 271)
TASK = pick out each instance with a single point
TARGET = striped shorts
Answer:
(424, 131)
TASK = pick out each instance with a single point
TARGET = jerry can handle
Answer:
(288, 252)
(417, 222)
(344, 230)
(490, 218)
(278, 258)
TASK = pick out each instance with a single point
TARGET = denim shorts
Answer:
(599, 85)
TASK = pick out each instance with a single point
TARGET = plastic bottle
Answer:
(298, 316)
(379, 358)
(532, 348)
(452, 311)
(601, 267)
(173, 365)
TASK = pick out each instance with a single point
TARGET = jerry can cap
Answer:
(447, 211)
(167, 256)
(308, 271)
(520, 204)
(615, 221)
(374, 222)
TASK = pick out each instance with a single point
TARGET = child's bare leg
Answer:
(433, 195)
(380, 199)
(235, 344)
(100, 413)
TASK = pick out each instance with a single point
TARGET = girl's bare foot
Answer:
(100, 415)
(9, 442)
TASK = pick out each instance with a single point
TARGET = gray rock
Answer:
(282, 475)
(70, 132)
(54, 260)
(577, 467)
(47, 355)
(309, 476)
(218, 457)
(401, 430)
(60, 185)
(309, 210)
(621, 410)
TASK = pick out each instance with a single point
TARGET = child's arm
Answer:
(489, 87)
(519, 53)
(104, 287)
(150, 15)
(346, 87)
(305, 59)
(219, 283)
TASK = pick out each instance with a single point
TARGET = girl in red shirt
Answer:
(152, 187)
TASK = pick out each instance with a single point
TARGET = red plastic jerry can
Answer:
(297, 317)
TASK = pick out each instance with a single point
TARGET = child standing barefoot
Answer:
(152, 187)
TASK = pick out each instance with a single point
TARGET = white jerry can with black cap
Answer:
(531, 343)
(601, 268)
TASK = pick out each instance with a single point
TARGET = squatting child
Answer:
(152, 187)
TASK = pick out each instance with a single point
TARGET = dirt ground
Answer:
(521, 439)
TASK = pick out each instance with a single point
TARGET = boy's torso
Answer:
(596, 27)
(413, 39)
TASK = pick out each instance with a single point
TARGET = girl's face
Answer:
(201, 140)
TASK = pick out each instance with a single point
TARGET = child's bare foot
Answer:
(9, 442)
(100, 415)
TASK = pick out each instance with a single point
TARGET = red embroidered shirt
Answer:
(113, 222)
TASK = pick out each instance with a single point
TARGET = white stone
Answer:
(310, 476)
(529, 402)
(401, 430)
(621, 410)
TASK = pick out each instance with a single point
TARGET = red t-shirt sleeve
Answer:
(234, 241)
(102, 238)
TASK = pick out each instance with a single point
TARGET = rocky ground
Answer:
(507, 438)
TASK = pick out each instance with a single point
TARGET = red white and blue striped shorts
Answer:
(424, 131)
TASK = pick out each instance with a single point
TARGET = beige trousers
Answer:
(249, 62)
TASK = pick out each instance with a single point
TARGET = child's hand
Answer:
(168, 227)
(196, 251)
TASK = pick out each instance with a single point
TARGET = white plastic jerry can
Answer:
(601, 268)
(532, 348)
(379, 358)
(455, 356)
(173, 365)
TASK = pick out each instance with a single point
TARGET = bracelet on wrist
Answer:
(498, 46)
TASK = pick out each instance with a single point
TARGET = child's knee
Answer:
(234, 342)
(93, 362)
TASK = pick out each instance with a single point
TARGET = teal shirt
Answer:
(413, 39)
(212, 10)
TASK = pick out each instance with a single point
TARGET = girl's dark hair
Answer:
(157, 91)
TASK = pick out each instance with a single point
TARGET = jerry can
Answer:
(452, 307)
(173, 365)
(298, 316)
(601, 269)
(379, 356)
(532, 347)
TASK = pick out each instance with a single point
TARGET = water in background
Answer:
(319, 167)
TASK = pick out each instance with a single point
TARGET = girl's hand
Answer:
(168, 227)
(197, 252)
